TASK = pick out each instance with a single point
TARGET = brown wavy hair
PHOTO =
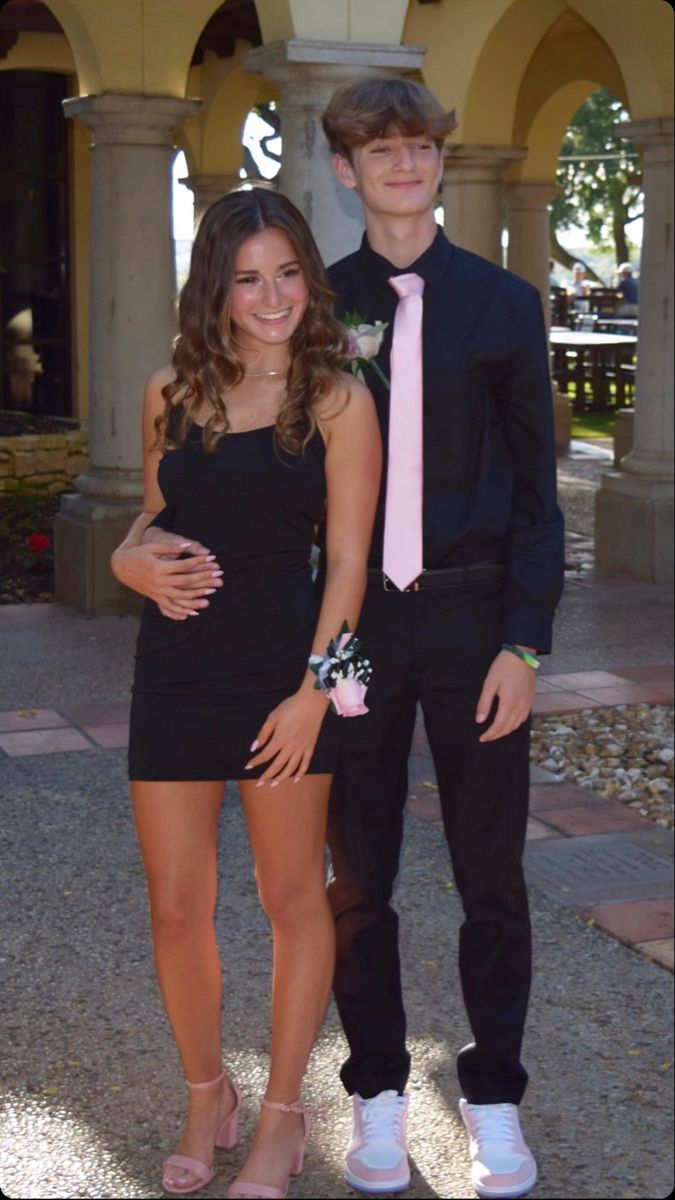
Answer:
(205, 358)
(362, 110)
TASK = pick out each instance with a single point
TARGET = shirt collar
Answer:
(431, 265)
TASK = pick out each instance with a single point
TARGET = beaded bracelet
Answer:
(524, 655)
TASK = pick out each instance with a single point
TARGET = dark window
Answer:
(34, 285)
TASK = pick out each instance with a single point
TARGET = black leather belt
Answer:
(444, 577)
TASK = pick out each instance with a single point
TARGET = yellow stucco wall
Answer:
(212, 139)
(480, 54)
(133, 46)
(569, 63)
(40, 52)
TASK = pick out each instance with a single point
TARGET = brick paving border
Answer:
(558, 811)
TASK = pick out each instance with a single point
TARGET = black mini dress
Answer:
(204, 686)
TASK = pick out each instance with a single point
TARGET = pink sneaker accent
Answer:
(377, 1156)
(501, 1162)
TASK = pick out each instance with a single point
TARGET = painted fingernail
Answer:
(254, 745)
(261, 783)
(274, 784)
(208, 591)
(217, 574)
(210, 558)
(248, 767)
(194, 612)
(184, 545)
(297, 779)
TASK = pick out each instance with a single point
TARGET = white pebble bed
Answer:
(624, 753)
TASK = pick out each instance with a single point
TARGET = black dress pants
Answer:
(433, 647)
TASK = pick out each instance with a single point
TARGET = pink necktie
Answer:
(402, 556)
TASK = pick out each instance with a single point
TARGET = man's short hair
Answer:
(366, 109)
(624, 267)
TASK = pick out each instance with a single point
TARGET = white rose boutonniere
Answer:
(364, 345)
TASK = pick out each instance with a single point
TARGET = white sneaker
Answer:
(377, 1156)
(502, 1164)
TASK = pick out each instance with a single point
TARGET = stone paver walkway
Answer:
(586, 836)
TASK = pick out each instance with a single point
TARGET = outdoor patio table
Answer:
(598, 357)
(620, 324)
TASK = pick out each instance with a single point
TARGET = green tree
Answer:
(601, 177)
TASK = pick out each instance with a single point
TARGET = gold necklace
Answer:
(259, 374)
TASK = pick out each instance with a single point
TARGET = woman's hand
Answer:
(512, 683)
(179, 586)
(288, 737)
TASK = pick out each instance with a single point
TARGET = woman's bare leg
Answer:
(177, 825)
(287, 829)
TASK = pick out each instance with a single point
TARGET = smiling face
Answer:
(395, 175)
(269, 293)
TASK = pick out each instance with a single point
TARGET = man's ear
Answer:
(344, 171)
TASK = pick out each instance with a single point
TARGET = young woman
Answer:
(251, 438)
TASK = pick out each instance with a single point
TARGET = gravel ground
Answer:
(92, 1098)
(624, 753)
(578, 480)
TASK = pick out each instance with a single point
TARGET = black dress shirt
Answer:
(489, 452)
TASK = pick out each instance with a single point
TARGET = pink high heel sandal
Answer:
(225, 1139)
(248, 1190)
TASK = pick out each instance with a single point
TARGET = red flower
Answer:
(38, 542)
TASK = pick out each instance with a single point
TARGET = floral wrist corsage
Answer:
(343, 674)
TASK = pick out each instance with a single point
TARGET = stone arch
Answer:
(338, 20)
(607, 41)
(570, 62)
(547, 130)
(495, 84)
(41, 52)
(640, 38)
(72, 19)
(133, 48)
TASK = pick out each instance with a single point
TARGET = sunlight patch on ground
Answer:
(47, 1152)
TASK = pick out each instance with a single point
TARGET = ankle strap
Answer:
(296, 1107)
(197, 1087)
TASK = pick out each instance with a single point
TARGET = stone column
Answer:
(634, 507)
(529, 206)
(132, 316)
(473, 195)
(307, 73)
(208, 188)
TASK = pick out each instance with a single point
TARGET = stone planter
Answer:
(45, 461)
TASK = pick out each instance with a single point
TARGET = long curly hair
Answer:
(205, 358)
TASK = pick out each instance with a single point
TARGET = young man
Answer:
(466, 570)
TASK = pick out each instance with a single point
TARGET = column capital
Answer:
(480, 163)
(532, 195)
(309, 59)
(131, 119)
(653, 133)
(208, 188)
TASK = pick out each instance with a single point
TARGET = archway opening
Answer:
(35, 286)
(597, 218)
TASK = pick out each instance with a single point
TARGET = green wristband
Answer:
(525, 655)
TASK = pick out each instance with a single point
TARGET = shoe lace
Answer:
(382, 1116)
(496, 1123)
